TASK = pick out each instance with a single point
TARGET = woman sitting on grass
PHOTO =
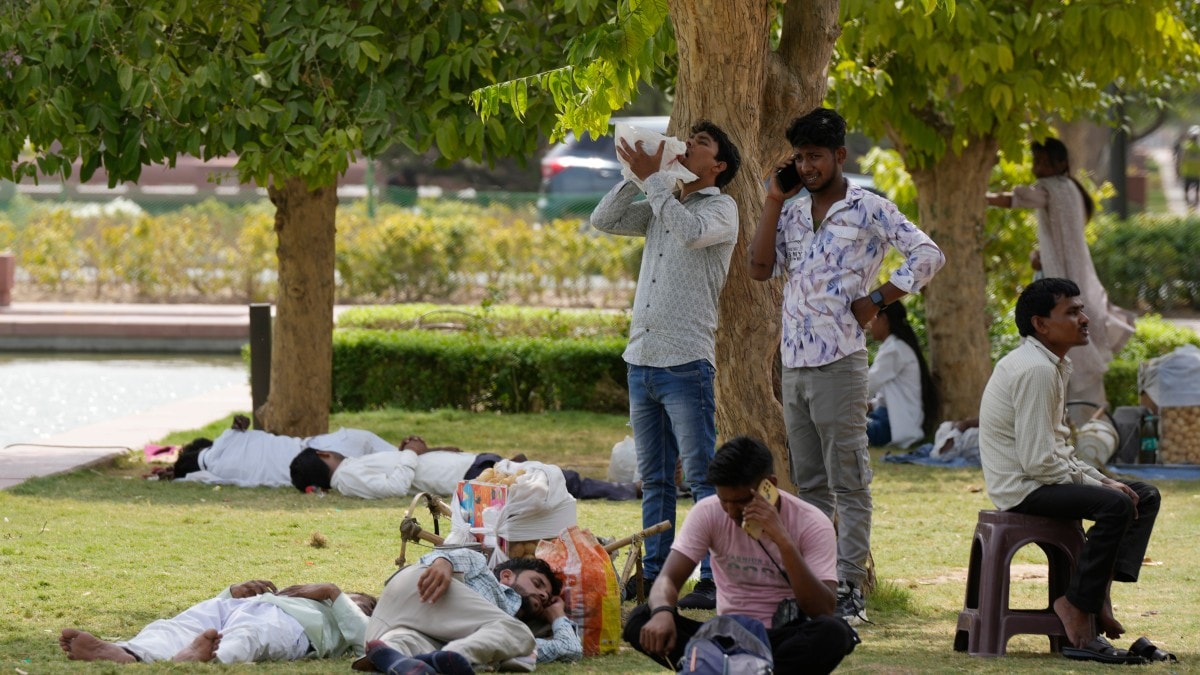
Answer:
(905, 401)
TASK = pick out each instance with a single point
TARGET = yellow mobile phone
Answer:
(770, 493)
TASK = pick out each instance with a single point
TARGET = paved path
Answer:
(98, 443)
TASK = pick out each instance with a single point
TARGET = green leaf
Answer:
(370, 50)
(125, 76)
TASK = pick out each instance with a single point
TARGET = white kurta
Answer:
(439, 472)
(377, 476)
(255, 458)
(1062, 242)
(396, 474)
(263, 628)
(895, 380)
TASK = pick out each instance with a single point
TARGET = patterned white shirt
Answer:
(684, 265)
(829, 268)
(1024, 440)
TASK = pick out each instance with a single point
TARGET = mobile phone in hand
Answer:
(770, 493)
(788, 177)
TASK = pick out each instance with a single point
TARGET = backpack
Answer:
(728, 645)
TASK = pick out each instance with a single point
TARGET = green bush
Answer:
(421, 370)
(1149, 262)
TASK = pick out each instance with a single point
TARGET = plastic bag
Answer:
(590, 591)
(623, 465)
(673, 148)
(538, 504)
(1179, 378)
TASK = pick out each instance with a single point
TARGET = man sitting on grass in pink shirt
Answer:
(786, 578)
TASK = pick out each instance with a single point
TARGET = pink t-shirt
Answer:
(747, 581)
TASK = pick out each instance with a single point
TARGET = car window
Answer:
(583, 180)
(587, 146)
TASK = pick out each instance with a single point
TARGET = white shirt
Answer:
(401, 473)
(1024, 440)
(254, 458)
(438, 472)
(376, 476)
(829, 268)
(895, 379)
(684, 265)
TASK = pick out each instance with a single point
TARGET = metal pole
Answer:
(260, 358)
(370, 181)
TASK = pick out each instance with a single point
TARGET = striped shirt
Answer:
(684, 265)
(1024, 440)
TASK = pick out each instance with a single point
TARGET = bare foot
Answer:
(83, 646)
(202, 649)
(1077, 622)
(1108, 623)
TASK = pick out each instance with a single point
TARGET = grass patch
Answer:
(108, 552)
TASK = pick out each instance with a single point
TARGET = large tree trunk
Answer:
(302, 337)
(728, 74)
(952, 212)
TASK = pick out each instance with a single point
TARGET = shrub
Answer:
(493, 320)
(421, 370)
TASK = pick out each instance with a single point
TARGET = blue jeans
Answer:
(879, 427)
(673, 413)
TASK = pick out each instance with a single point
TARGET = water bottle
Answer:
(1149, 433)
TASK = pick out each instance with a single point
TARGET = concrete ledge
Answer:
(89, 327)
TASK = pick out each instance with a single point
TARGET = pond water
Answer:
(43, 395)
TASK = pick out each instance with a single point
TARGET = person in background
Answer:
(417, 468)
(1063, 209)
(905, 401)
(1187, 164)
(690, 232)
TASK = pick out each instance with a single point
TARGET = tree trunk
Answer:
(952, 212)
(729, 75)
(302, 346)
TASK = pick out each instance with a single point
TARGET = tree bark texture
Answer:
(953, 212)
(729, 75)
(302, 344)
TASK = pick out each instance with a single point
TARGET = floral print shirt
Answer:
(831, 266)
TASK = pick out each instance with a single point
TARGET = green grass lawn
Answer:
(108, 552)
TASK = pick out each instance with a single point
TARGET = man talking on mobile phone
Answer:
(831, 244)
(786, 578)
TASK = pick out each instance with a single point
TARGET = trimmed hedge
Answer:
(493, 320)
(422, 370)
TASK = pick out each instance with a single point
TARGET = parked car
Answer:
(579, 171)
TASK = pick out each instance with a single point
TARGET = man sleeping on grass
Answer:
(249, 622)
(419, 468)
(249, 458)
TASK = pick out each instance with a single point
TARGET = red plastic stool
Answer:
(986, 623)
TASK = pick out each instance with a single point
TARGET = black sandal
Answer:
(1146, 649)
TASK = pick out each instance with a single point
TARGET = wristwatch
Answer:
(877, 298)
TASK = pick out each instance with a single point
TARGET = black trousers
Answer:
(802, 646)
(1115, 545)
